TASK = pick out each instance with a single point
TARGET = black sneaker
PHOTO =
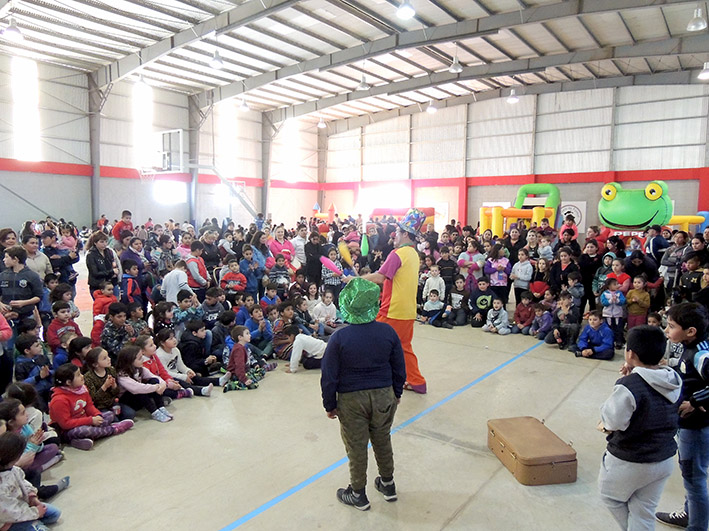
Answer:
(675, 519)
(349, 497)
(388, 491)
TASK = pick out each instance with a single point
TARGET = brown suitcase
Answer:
(531, 451)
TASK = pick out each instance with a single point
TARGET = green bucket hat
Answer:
(359, 301)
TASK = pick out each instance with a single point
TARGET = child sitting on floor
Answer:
(78, 348)
(38, 456)
(64, 292)
(136, 319)
(304, 320)
(524, 314)
(62, 354)
(435, 311)
(596, 339)
(270, 297)
(458, 302)
(116, 333)
(175, 388)
(542, 323)
(245, 374)
(19, 503)
(233, 281)
(73, 412)
(195, 351)
(497, 320)
(139, 387)
(32, 366)
(326, 313)
(171, 359)
(480, 302)
(566, 323)
(27, 394)
(163, 315)
(101, 380)
(575, 288)
(61, 324)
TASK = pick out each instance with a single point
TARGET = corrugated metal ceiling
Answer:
(312, 54)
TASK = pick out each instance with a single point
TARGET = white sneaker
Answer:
(160, 416)
(225, 379)
(207, 391)
(166, 413)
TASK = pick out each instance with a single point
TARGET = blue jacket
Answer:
(597, 340)
(255, 334)
(27, 371)
(242, 316)
(250, 274)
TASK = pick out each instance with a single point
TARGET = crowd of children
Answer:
(173, 321)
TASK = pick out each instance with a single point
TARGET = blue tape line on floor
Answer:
(300, 486)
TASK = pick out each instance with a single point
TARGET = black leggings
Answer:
(149, 401)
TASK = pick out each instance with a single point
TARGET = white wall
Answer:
(629, 128)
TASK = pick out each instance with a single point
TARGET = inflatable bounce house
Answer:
(499, 219)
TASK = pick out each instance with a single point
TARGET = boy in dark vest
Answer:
(641, 419)
(687, 324)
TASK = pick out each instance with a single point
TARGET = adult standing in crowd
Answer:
(102, 263)
(313, 252)
(589, 263)
(210, 254)
(280, 245)
(36, 260)
(20, 291)
(655, 244)
(399, 277)
(8, 238)
(363, 374)
(299, 241)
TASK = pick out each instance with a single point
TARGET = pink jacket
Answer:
(286, 249)
(136, 386)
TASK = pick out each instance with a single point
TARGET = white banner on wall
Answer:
(576, 209)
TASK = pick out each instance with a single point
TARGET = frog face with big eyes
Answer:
(634, 209)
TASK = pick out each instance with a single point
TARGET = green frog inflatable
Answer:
(635, 209)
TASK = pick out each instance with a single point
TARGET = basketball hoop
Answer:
(147, 175)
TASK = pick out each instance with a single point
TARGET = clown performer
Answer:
(398, 276)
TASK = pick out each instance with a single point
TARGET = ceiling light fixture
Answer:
(513, 98)
(431, 109)
(698, 22)
(455, 67)
(216, 61)
(322, 124)
(363, 85)
(12, 32)
(704, 74)
(244, 107)
(405, 11)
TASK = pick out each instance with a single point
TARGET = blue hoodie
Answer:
(597, 340)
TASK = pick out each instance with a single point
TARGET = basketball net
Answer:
(147, 175)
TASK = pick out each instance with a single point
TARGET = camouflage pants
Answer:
(364, 416)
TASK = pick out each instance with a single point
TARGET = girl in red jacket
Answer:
(73, 411)
(175, 388)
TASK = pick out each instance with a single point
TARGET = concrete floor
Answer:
(248, 459)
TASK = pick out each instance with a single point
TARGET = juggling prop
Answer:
(330, 265)
(365, 245)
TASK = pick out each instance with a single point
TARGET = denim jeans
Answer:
(50, 517)
(693, 461)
